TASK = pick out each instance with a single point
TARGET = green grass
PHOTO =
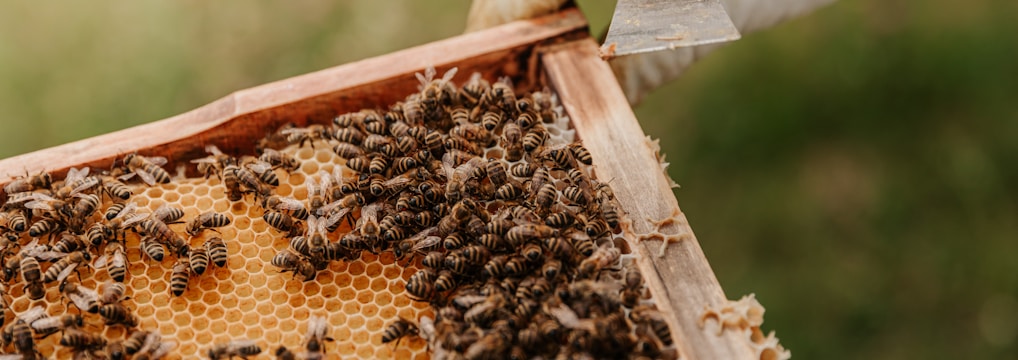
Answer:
(855, 168)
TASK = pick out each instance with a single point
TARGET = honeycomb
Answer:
(582, 304)
(249, 298)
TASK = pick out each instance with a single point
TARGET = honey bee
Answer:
(436, 93)
(317, 232)
(80, 340)
(263, 171)
(316, 335)
(397, 330)
(474, 90)
(32, 276)
(168, 214)
(421, 284)
(282, 221)
(49, 325)
(576, 195)
(279, 159)
(647, 315)
(207, 220)
(282, 353)
(112, 292)
(231, 181)
(237, 348)
(153, 348)
(349, 135)
(582, 244)
(199, 260)
(551, 269)
(115, 350)
(560, 219)
(511, 141)
(420, 241)
(42, 180)
(632, 286)
(509, 191)
(301, 136)
(516, 266)
(65, 264)
(147, 168)
(491, 120)
(153, 249)
(115, 189)
(217, 252)
(596, 228)
(501, 95)
(520, 234)
(581, 154)
(532, 252)
(248, 179)
(474, 254)
(602, 258)
(180, 276)
(215, 163)
(21, 335)
(68, 242)
(445, 281)
(286, 260)
(115, 261)
(135, 341)
(114, 210)
(495, 267)
(14, 220)
(434, 260)
(85, 299)
(158, 231)
(453, 241)
(458, 175)
(293, 207)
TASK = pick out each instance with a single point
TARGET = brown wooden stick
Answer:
(684, 282)
(235, 122)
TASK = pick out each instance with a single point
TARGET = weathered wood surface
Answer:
(237, 121)
(684, 282)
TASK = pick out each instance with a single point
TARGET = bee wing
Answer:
(33, 314)
(242, 343)
(50, 255)
(33, 249)
(66, 272)
(11, 357)
(292, 131)
(152, 341)
(466, 301)
(332, 219)
(38, 205)
(449, 74)
(506, 80)
(162, 349)
(289, 203)
(317, 327)
(101, 261)
(134, 219)
(157, 160)
(162, 212)
(327, 208)
(324, 180)
(427, 242)
(423, 79)
(212, 149)
(448, 165)
(126, 177)
(127, 210)
(567, 317)
(426, 325)
(259, 166)
(311, 185)
(44, 323)
(205, 160)
(85, 185)
(397, 181)
(146, 177)
(74, 174)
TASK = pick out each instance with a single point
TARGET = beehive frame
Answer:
(554, 50)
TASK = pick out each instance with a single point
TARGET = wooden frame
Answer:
(555, 49)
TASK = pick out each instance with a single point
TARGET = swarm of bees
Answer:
(516, 238)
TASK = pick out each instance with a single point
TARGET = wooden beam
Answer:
(681, 280)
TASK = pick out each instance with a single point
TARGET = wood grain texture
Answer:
(681, 281)
(237, 121)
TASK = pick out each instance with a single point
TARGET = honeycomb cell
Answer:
(351, 308)
(284, 312)
(355, 322)
(204, 203)
(387, 312)
(171, 197)
(379, 284)
(365, 297)
(391, 272)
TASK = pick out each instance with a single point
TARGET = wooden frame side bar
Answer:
(681, 281)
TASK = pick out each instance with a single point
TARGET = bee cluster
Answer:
(473, 200)
(515, 234)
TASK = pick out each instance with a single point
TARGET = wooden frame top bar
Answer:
(236, 121)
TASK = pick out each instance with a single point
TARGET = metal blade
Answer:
(640, 26)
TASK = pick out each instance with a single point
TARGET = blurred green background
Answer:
(856, 168)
